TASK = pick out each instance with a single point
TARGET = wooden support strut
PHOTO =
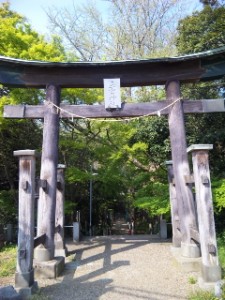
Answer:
(39, 240)
(60, 249)
(24, 277)
(176, 234)
(211, 271)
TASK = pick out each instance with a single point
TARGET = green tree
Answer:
(204, 30)
(17, 39)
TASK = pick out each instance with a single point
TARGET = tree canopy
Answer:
(17, 39)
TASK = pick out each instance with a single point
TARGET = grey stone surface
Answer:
(9, 293)
(119, 267)
(49, 269)
(23, 280)
(27, 292)
(76, 231)
(211, 273)
(190, 250)
(185, 263)
(163, 229)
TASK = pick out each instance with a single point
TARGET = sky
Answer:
(34, 10)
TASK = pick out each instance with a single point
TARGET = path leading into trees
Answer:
(120, 267)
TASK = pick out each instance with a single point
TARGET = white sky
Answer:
(34, 10)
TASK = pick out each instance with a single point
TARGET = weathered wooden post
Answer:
(24, 277)
(48, 176)
(60, 249)
(176, 234)
(184, 193)
(211, 271)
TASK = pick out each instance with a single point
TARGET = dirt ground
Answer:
(119, 267)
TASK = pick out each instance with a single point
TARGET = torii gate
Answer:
(170, 72)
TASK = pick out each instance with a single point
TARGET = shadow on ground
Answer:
(91, 274)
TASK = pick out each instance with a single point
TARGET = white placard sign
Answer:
(112, 93)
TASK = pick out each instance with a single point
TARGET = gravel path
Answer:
(119, 267)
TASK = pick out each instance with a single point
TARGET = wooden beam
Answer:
(39, 240)
(207, 65)
(127, 110)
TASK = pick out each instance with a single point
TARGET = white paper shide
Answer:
(112, 93)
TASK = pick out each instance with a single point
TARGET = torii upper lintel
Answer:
(202, 66)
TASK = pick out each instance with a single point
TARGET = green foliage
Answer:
(221, 250)
(203, 295)
(208, 129)
(154, 132)
(204, 30)
(18, 40)
(207, 295)
(192, 280)
(218, 189)
(8, 260)
(156, 201)
(8, 206)
(82, 96)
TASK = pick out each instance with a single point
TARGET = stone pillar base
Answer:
(26, 292)
(49, 269)
(190, 250)
(8, 292)
(185, 263)
(60, 252)
(24, 280)
(211, 273)
(176, 251)
(42, 254)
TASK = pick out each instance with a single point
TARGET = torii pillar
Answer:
(48, 176)
(185, 199)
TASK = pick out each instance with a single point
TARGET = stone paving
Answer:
(119, 267)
